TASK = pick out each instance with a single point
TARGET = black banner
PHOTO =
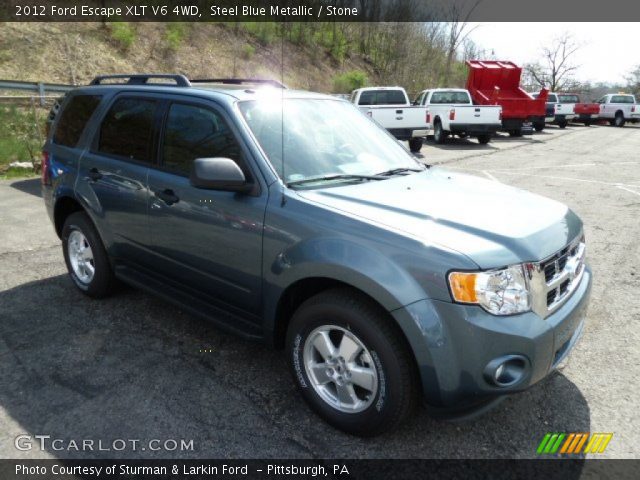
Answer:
(555, 469)
(318, 10)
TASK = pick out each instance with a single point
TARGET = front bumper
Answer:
(454, 343)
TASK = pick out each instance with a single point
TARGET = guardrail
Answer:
(40, 88)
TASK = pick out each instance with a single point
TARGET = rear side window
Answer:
(552, 99)
(382, 97)
(193, 132)
(74, 118)
(450, 97)
(127, 129)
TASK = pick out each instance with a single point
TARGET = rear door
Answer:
(115, 172)
(208, 241)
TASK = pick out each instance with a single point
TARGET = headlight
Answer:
(500, 292)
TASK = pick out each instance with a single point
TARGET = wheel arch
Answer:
(65, 206)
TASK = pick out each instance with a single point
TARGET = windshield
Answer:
(322, 138)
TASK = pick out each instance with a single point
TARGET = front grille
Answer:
(555, 278)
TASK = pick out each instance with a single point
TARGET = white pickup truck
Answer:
(619, 108)
(391, 109)
(453, 113)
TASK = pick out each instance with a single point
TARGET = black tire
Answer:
(415, 144)
(516, 133)
(612, 123)
(398, 384)
(619, 121)
(538, 126)
(484, 139)
(439, 135)
(587, 123)
(562, 123)
(103, 281)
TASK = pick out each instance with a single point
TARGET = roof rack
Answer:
(143, 79)
(239, 81)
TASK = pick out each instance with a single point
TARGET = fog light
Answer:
(506, 371)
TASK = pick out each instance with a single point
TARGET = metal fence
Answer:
(41, 90)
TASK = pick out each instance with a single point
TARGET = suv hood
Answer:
(489, 222)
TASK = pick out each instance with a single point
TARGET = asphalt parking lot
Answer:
(134, 367)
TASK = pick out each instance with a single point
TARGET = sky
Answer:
(608, 52)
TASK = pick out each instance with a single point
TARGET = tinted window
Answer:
(552, 99)
(127, 129)
(382, 97)
(74, 118)
(569, 99)
(622, 99)
(450, 97)
(193, 132)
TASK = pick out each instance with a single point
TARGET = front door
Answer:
(206, 240)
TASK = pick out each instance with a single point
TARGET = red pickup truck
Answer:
(586, 113)
(492, 82)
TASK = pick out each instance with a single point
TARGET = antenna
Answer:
(283, 201)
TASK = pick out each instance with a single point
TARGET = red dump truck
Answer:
(493, 82)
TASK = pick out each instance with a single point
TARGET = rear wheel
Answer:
(351, 363)
(562, 123)
(86, 257)
(484, 139)
(439, 135)
(415, 144)
(515, 133)
(538, 126)
(619, 121)
(587, 123)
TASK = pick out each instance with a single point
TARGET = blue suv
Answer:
(291, 218)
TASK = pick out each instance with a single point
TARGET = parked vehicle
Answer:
(619, 108)
(451, 112)
(586, 113)
(558, 110)
(291, 218)
(390, 107)
(492, 82)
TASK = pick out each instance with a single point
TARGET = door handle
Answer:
(94, 174)
(167, 196)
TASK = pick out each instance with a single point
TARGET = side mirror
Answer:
(218, 174)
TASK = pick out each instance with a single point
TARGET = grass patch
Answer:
(248, 51)
(349, 81)
(175, 34)
(21, 135)
(123, 33)
(14, 172)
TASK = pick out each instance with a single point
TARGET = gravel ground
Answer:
(134, 367)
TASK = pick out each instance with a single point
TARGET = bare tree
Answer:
(459, 30)
(633, 81)
(556, 68)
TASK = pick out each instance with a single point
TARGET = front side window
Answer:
(127, 130)
(194, 132)
(74, 118)
(318, 137)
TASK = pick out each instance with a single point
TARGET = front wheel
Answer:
(415, 144)
(484, 139)
(351, 363)
(85, 256)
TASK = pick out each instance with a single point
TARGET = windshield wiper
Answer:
(395, 171)
(339, 176)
